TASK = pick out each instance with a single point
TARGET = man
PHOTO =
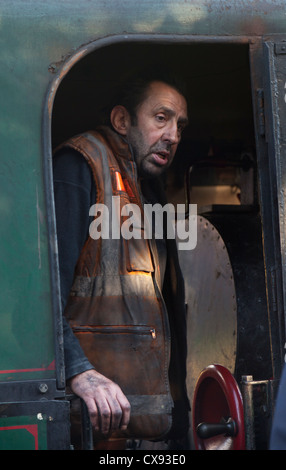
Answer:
(112, 288)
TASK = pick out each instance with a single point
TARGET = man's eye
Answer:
(160, 118)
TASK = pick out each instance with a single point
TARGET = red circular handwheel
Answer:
(218, 418)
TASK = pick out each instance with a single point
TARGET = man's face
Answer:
(161, 118)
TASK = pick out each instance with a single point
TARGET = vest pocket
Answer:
(138, 255)
(133, 356)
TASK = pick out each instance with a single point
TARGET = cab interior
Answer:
(215, 163)
(215, 168)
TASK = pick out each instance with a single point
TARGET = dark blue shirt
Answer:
(74, 193)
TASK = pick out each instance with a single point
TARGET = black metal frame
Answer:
(269, 174)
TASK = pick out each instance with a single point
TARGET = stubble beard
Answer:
(142, 155)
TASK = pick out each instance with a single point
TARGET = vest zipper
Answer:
(116, 329)
(165, 317)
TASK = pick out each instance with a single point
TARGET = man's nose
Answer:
(171, 133)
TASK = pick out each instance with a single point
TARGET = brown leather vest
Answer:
(115, 307)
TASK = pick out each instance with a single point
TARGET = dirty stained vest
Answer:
(115, 306)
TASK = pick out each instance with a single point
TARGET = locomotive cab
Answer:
(57, 72)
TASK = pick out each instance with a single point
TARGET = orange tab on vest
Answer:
(119, 182)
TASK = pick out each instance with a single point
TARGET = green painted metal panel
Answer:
(35, 38)
(26, 329)
(35, 425)
(23, 433)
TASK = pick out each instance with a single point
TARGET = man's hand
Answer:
(109, 409)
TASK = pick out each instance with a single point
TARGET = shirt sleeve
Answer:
(74, 193)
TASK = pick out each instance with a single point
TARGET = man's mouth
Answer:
(161, 158)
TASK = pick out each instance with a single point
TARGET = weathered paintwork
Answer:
(35, 37)
(39, 43)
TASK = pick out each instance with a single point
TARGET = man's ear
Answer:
(120, 119)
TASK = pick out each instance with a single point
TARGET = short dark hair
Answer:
(133, 91)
